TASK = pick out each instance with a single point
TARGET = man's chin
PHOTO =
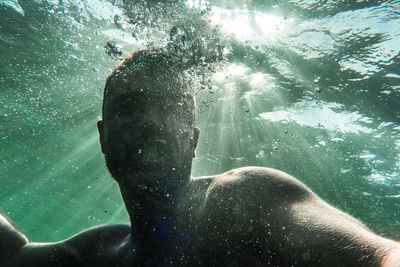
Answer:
(138, 175)
(136, 168)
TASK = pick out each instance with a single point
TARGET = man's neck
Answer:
(150, 211)
(153, 212)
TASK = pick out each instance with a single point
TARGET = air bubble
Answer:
(182, 46)
(114, 49)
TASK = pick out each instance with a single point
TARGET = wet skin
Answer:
(251, 216)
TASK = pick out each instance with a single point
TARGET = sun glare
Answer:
(245, 24)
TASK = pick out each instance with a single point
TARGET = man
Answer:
(251, 216)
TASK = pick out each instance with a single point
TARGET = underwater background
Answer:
(308, 87)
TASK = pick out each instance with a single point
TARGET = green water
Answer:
(308, 87)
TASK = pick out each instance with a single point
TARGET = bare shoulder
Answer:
(11, 239)
(265, 183)
(91, 246)
(246, 206)
(110, 232)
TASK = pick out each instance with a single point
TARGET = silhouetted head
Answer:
(147, 131)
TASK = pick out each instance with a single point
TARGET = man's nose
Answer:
(153, 127)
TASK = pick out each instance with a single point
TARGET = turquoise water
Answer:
(309, 87)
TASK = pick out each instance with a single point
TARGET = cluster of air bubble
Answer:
(183, 31)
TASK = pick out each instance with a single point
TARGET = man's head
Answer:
(147, 131)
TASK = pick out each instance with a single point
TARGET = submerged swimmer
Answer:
(251, 216)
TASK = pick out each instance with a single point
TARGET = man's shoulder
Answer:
(99, 238)
(11, 240)
(240, 174)
(106, 230)
(248, 182)
(89, 246)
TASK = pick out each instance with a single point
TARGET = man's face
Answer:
(147, 133)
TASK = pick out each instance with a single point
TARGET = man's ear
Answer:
(100, 127)
(196, 134)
